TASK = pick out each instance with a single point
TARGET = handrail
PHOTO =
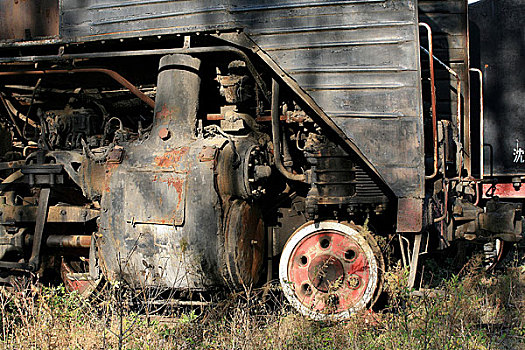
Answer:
(433, 99)
(458, 88)
(481, 121)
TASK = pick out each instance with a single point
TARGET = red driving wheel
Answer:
(329, 270)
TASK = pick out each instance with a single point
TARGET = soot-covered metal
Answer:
(202, 146)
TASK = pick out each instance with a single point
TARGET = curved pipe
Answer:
(276, 137)
(433, 99)
(157, 52)
(117, 77)
(478, 187)
(458, 91)
(481, 120)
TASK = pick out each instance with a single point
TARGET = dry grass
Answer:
(472, 311)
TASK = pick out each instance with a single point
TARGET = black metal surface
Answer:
(180, 204)
(158, 217)
(162, 221)
(26, 20)
(498, 49)
(357, 59)
(359, 63)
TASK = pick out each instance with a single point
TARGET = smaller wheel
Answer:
(329, 270)
(244, 243)
(82, 274)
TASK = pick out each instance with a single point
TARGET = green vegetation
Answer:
(472, 310)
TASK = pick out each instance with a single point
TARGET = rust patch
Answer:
(110, 168)
(178, 187)
(504, 190)
(409, 215)
(171, 158)
(174, 182)
(207, 154)
(93, 176)
(244, 243)
(166, 114)
(26, 20)
(115, 156)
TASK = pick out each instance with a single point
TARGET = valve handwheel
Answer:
(329, 270)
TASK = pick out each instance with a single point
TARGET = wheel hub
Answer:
(326, 272)
(329, 270)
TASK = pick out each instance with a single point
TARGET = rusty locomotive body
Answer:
(190, 145)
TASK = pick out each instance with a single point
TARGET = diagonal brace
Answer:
(41, 217)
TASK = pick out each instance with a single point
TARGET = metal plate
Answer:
(409, 215)
(28, 19)
(497, 48)
(168, 188)
(504, 190)
(357, 59)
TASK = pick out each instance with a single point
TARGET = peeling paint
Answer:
(171, 158)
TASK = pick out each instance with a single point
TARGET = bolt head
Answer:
(164, 134)
(354, 281)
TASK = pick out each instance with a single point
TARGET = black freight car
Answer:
(188, 145)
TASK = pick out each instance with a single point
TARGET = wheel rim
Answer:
(495, 251)
(329, 270)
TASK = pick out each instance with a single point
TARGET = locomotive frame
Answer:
(189, 145)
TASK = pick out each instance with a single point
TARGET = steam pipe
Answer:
(277, 137)
(156, 52)
(64, 241)
(117, 77)
(433, 98)
(74, 241)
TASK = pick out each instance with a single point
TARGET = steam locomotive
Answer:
(205, 145)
